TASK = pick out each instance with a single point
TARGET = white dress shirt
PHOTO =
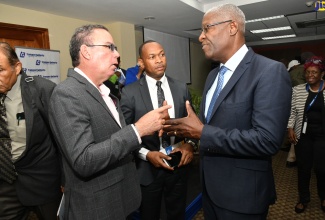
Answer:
(231, 64)
(17, 130)
(154, 100)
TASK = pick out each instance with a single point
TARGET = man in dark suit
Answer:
(96, 144)
(245, 124)
(156, 178)
(36, 180)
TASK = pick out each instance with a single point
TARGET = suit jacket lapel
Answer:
(145, 94)
(28, 108)
(91, 90)
(240, 70)
(209, 83)
(174, 90)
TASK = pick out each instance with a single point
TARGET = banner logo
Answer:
(22, 54)
(38, 62)
(320, 6)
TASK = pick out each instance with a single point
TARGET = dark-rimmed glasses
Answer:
(207, 27)
(112, 47)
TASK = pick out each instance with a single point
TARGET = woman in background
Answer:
(306, 129)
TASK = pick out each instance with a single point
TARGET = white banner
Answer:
(39, 62)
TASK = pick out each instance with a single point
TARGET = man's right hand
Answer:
(156, 159)
(152, 121)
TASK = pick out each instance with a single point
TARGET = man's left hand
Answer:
(187, 154)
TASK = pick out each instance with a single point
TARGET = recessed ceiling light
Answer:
(265, 19)
(277, 37)
(149, 18)
(271, 29)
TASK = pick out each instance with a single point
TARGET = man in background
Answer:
(96, 144)
(116, 82)
(157, 179)
(133, 74)
(292, 65)
(30, 176)
(244, 112)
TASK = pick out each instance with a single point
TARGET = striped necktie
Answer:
(7, 169)
(216, 93)
(161, 98)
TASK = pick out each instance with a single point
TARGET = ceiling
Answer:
(183, 17)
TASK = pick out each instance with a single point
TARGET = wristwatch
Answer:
(194, 145)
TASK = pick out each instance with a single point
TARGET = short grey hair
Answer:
(80, 37)
(229, 12)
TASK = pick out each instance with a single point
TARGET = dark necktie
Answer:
(161, 98)
(216, 93)
(7, 170)
(160, 94)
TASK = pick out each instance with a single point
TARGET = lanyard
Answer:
(312, 101)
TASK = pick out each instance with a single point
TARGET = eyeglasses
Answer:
(205, 29)
(314, 61)
(314, 73)
(112, 47)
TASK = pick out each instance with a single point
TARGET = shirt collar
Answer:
(14, 92)
(152, 82)
(234, 61)
(104, 90)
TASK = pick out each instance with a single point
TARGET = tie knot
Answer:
(158, 83)
(223, 70)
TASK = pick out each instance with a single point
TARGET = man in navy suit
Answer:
(245, 124)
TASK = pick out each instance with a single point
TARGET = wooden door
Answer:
(24, 36)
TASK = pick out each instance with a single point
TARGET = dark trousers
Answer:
(12, 209)
(172, 186)
(310, 151)
(213, 212)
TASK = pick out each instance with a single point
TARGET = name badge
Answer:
(168, 149)
(304, 128)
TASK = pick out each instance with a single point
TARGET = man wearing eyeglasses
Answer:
(89, 127)
(246, 105)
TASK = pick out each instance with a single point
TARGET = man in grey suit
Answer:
(36, 180)
(156, 178)
(245, 124)
(89, 127)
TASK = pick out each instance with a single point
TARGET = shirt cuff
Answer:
(143, 153)
(137, 133)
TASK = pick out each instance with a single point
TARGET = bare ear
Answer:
(233, 28)
(18, 67)
(140, 62)
(84, 51)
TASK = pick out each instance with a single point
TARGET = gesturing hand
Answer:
(152, 121)
(190, 126)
